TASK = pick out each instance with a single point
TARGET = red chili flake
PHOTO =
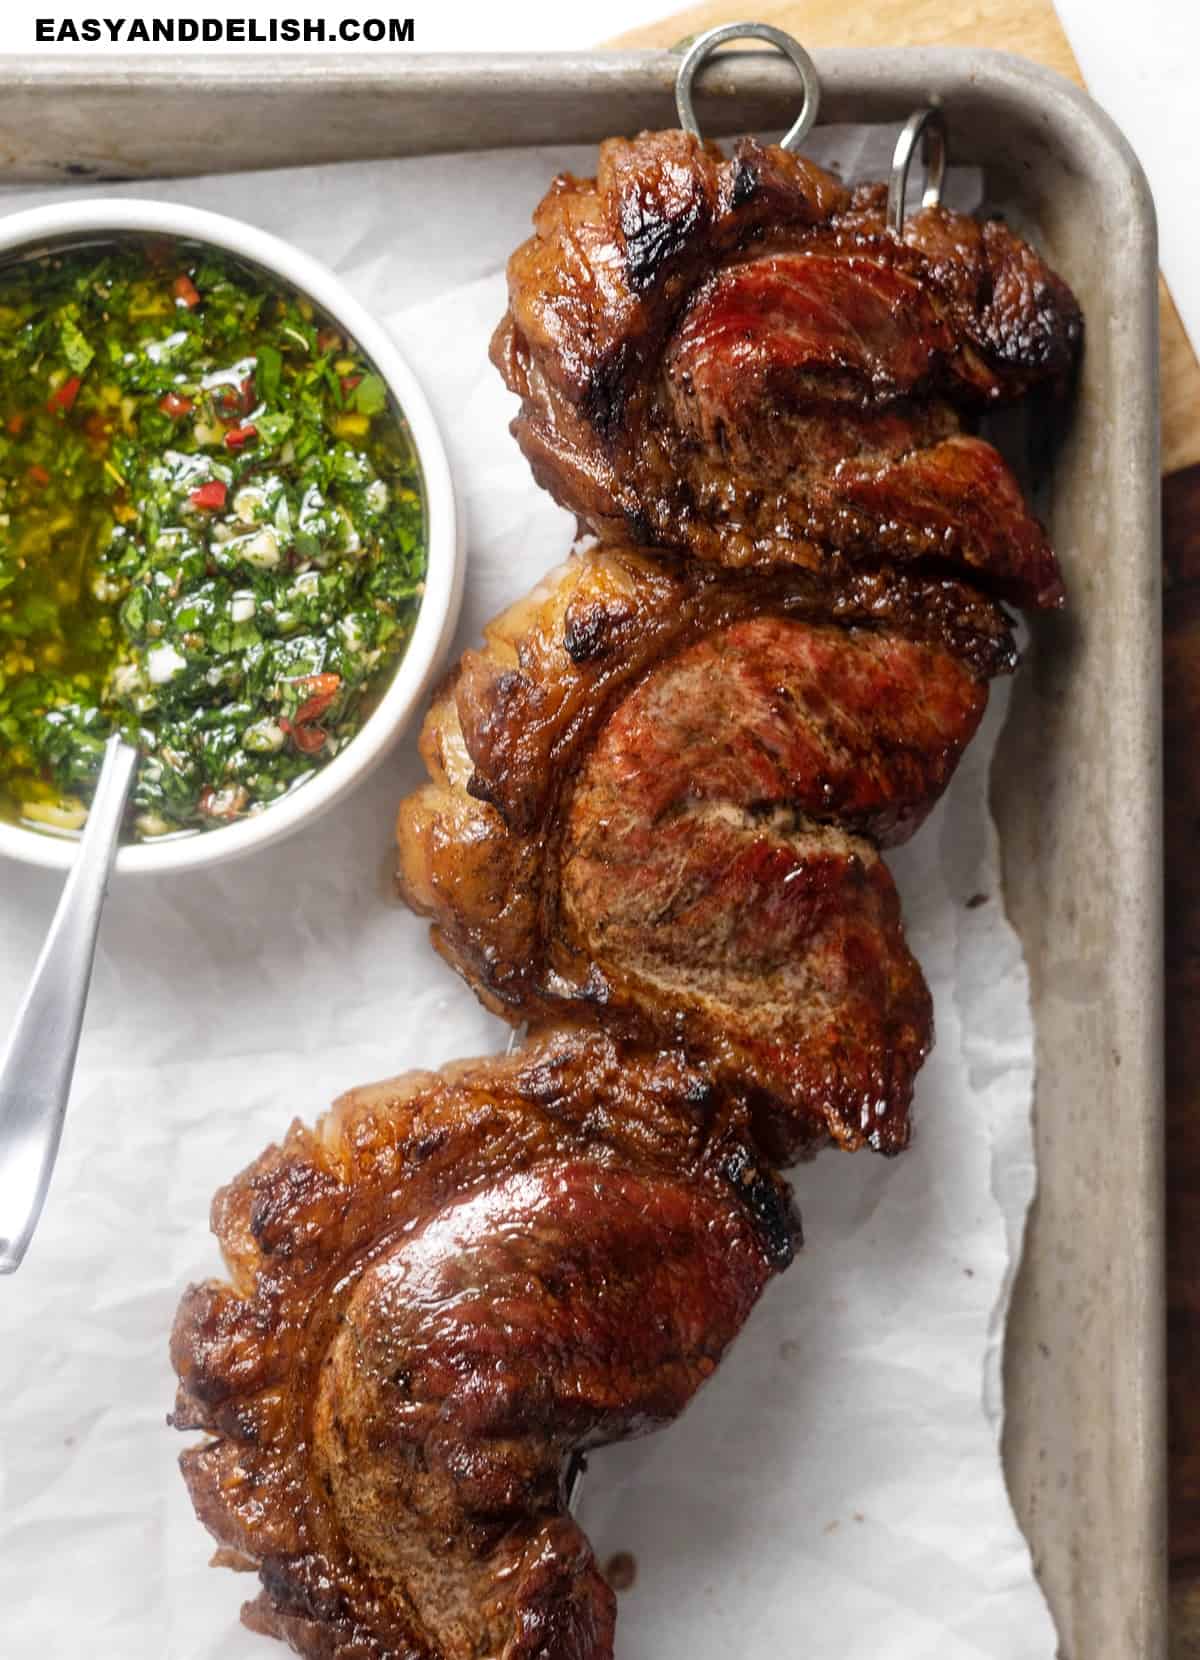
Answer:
(248, 398)
(39, 475)
(327, 339)
(185, 289)
(174, 405)
(324, 690)
(236, 437)
(308, 739)
(16, 423)
(66, 394)
(208, 495)
(349, 382)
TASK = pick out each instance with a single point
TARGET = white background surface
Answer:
(836, 1493)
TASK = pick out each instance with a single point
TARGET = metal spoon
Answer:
(36, 1072)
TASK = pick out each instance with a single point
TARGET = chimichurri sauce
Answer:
(212, 535)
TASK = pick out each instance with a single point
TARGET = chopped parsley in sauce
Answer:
(212, 535)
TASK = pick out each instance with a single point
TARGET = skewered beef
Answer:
(435, 1296)
(653, 825)
(657, 797)
(738, 358)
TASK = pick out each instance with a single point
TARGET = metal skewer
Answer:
(36, 1072)
(706, 44)
(928, 128)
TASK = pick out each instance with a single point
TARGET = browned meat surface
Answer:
(737, 358)
(656, 801)
(652, 830)
(437, 1295)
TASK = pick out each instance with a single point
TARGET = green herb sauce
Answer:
(212, 535)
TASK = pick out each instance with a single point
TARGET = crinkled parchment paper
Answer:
(836, 1492)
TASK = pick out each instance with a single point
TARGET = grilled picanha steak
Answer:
(738, 358)
(436, 1295)
(658, 797)
(657, 800)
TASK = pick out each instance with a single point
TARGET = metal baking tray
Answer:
(1077, 791)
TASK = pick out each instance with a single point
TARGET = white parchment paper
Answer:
(836, 1492)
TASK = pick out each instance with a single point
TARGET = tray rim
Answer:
(872, 79)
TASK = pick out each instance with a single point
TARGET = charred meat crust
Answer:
(652, 829)
(553, 665)
(664, 211)
(656, 801)
(435, 1295)
(682, 328)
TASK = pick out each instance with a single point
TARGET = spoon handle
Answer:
(35, 1074)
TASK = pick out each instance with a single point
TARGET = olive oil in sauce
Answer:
(212, 535)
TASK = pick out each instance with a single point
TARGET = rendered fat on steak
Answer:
(437, 1295)
(738, 358)
(657, 800)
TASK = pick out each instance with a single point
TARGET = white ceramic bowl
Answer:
(42, 228)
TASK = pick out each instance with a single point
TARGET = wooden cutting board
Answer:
(1031, 28)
